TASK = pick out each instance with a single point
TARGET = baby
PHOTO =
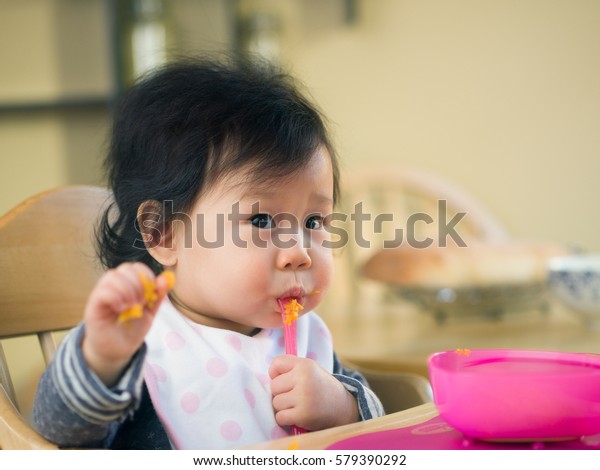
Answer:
(223, 174)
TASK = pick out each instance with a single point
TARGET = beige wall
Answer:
(500, 97)
(51, 50)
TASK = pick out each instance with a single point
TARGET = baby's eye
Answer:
(314, 222)
(262, 221)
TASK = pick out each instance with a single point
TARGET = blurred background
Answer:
(499, 97)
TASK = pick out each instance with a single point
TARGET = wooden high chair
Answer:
(47, 269)
(397, 389)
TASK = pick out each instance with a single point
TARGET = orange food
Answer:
(463, 352)
(292, 307)
(169, 276)
(135, 311)
(150, 297)
(293, 446)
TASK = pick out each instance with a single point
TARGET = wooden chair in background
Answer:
(393, 195)
(47, 269)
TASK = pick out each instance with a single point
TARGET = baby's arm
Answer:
(108, 344)
(308, 396)
(369, 405)
(73, 408)
(95, 380)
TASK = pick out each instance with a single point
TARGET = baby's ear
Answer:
(156, 232)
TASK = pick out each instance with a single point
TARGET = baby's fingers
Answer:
(284, 401)
(286, 417)
(116, 290)
(282, 365)
(162, 285)
(137, 283)
(153, 291)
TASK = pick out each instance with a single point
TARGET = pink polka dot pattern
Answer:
(325, 332)
(234, 341)
(231, 431)
(278, 432)
(189, 402)
(250, 398)
(312, 355)
(216, 367)
(174, 341)
(263, 378)
(159, 373)
(268, 359)
(197, 328)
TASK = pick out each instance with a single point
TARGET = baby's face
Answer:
(250, 245)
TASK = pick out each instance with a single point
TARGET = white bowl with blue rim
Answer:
(575, 280)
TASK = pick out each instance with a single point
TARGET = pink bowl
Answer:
(517, 395)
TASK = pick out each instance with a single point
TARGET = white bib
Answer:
(211, 387)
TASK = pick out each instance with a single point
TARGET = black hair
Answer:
(192, 122)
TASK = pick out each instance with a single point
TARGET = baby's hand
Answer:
(306, 395)
(108, 343)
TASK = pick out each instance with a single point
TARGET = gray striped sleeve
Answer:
(73, 408)
(83, 392)
(369, 405)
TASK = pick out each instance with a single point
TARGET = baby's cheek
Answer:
(323, 270)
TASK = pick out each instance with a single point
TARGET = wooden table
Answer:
(322, 439)
(400, 337)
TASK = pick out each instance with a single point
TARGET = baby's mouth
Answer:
(288, 299)
(296, 293)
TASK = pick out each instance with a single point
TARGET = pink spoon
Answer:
(289, 316)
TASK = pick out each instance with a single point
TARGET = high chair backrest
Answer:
(397, 389)
(392, 197)
(47, 269)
